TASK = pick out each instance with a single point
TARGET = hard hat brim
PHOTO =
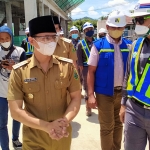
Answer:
(102, 32)
(114, 25)
(139, 14)
(88, 27)
(74, 30)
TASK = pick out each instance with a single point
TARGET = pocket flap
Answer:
(31, 87)
(61, 83)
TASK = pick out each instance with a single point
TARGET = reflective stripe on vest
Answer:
(133, 77)
(112, 50)
(142, 92)
(139, 89)
(29, 48)
(86, 51)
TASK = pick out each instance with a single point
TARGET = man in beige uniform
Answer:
(64, 47)
(45, 84)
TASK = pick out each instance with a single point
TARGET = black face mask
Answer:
(100, 36)
(28, 35)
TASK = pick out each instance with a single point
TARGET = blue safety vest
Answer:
(104, 76)
(86, 51)
(137, 88)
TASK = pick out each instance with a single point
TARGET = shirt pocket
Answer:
(61, 86)
(31, 92)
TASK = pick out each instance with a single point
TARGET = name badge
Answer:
(30, 80)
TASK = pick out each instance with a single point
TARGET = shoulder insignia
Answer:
(20, 64)
(66, 40)
(76, 76)
(65, 59)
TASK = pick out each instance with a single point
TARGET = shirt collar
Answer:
(59, 41)
(34, 62)
(111, 40)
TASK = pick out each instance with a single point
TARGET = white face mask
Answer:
(141, 30)
(46, 49)
(6, 44)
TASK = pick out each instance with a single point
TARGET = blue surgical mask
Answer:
(74, 36)
(89, 33)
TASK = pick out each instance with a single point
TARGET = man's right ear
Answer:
(31, 40)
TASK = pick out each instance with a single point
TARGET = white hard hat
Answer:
(27, 30)
(74, 28)
(142, 8)
(116, 19)
(87, 25)
(102, 30)
(61, 32)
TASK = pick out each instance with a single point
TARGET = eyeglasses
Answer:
(140, 20)
(46, 39)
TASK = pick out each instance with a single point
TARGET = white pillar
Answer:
(41, 8)
(16, 21)
(46, 11)
(30, 7)
(63, 25)
(8, 14)
(50, 11)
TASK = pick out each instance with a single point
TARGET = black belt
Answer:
(140, 104)
(118, 88)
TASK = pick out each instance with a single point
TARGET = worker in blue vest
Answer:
(83, 52)
(135, 109)
(26, 45)
(107, 64)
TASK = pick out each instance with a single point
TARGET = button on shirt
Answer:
(118, 60)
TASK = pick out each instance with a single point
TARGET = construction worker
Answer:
(44, 83)
(26, 45)
(83, 52)
(135, 108)
(66, 50)
(9, 55)
(102, 32)
(107, 64)
(74, 33)
(61, 33)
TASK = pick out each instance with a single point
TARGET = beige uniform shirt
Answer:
(45, 96)
(65, 49)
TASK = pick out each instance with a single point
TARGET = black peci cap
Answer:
(41, 24)
(56, 20)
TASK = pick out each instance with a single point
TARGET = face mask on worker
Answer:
(142, 30)
(101, 36)
(46, 48)
(89, 33)
(115, 33)
(74, 36)
(6, 44)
